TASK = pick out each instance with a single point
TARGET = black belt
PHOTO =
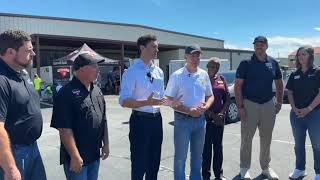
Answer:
(146, 114)
(187, 115)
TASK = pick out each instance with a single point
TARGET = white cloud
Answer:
(233, 46)
(294, 41)
(282, 46)
(317, 28)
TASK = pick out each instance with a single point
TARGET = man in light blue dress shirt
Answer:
(142, 89)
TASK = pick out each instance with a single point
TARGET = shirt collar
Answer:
(79, 84)
(140, 63)
(186, 72)
(255, 58)
(311, 69)
(7, 69)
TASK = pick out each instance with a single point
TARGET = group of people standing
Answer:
(199, 99)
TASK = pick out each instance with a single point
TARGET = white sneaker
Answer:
(297, 174)
(270, 174)
(317, 177)
(244, 174)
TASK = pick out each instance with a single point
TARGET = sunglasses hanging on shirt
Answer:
(149, 75)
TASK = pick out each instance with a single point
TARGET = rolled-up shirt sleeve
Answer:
(278, 74)
(127, 86)
(290, 82)
(242, 70)
(4, 99)
(62, 114)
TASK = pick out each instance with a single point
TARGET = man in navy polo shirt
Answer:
(20, 114)
(254, 96)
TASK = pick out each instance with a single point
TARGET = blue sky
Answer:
(287, 23)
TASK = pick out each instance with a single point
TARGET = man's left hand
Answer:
(278, 107)
(105, 152)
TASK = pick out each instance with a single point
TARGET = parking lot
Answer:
(117, 166)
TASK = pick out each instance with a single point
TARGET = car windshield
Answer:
(229, 76)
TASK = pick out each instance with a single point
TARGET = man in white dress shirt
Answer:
(142, 90)
(193, 86)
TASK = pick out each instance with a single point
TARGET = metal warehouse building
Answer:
(56, 37)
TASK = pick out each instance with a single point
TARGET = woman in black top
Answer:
(303, 94)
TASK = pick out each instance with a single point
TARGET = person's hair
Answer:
(213, 60)
(144, 40)
(12, 39)
(310, 51)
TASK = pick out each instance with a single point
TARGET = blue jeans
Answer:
(300, 126)
(188, 129)
(28, 161)
(88, 172)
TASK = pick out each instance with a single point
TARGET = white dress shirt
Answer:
(137, 85)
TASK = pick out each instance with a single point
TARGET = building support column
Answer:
(38, 54)
(122, 62)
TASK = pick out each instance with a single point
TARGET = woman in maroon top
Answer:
(215, 117)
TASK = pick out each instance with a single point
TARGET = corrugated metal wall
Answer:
(96, 30)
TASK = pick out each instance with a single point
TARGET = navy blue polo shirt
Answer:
(19, 106)
(84, 113)
(258, 77)
(305, 86)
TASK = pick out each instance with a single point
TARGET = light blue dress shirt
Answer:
(137, 85)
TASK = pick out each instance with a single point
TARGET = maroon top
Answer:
(220, 92)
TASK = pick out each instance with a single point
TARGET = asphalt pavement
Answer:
(117, 166)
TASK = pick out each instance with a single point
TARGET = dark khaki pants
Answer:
(262, 116)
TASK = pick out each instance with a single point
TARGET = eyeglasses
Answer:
(149, 75)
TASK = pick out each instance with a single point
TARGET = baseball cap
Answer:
(193, 48)
(85, 59)
(260, 39)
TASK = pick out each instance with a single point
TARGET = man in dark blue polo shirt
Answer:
(254, 96)
(79, 113)
(20, 114)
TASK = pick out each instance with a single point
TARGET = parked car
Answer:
(232, 113)
(230, 76)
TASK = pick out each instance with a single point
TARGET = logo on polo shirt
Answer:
(296, 77)
(269, 65)
(201, 81)
(76, 92)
